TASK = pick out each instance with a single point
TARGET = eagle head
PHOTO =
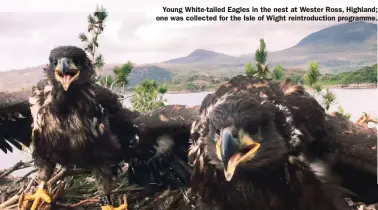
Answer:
(246, 133)
(69, 66)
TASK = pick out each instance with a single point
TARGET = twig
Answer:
(29, 186)
(127, 189)
(89, 200)
(9, 202)
(60, 175)
(57, 176)
(11, 207)
(66, 172)
(124, 97)
(15, 167)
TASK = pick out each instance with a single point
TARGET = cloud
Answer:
(31, 29)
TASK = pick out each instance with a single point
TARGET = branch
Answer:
(66, 172)
(130, 96)
(58, 176)
(111, 86)
(89, 200)
(15, 167)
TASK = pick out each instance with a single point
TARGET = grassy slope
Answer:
(366, 74)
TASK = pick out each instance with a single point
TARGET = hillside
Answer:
(339, 48)
(347, 33)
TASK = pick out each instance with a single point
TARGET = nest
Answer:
(74, 189)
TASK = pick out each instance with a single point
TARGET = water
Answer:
(354, 101)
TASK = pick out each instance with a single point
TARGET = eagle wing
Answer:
(120, 118)
(109, 101)
(353, 154)
(308, 114)
(159, 154)
(349, 148)
(15, 120)
(162, 149)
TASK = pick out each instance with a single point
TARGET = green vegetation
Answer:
(250, 70)
(212, 77)
(148, 96)
(262, 70)
(297, 79)
(121, 73)
(328, 99)
(367, 74)
(95, 28)
(261, 57)
(312, 78)
(341, 110)
(119, 78)
(177, 76)
(277, 73)
(191, 86)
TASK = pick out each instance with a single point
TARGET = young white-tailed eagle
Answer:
(71, 121)
(258, 147)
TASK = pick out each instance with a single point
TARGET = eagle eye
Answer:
(254, 130)
(55, 62)
(74, 60)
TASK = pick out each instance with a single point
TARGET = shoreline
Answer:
(339, 87)
(353, 86)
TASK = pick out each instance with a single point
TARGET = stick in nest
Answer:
(60, 175)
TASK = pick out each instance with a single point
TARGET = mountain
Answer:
(339, 48)
(201, 56)
(347, 33)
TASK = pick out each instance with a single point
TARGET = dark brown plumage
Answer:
(284, 174)
(164, 132)
(15, 120)
(249, 119)
(347, 148)
(72, 121)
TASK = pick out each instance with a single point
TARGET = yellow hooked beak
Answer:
(234, 151)
(66, 72)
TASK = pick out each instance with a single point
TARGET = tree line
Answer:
(366, 74)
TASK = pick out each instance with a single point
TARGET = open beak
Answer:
(234, 151)
(66, 72)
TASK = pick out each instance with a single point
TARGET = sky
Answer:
(29, 29)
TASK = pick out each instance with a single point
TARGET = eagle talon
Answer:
(110, 207)
(121, 207)
(40, 194)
